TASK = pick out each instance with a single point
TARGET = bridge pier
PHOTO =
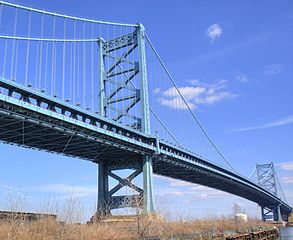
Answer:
(133, 111)
(148, 184)
(140, 198)
(273, 213)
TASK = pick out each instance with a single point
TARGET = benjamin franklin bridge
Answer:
(99, 91)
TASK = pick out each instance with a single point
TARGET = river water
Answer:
(286, 233)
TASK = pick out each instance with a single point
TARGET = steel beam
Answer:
(148, 184)
(107, 198)
(267, 179)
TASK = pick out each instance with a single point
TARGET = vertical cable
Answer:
(100, 93)
(53, 59)
(37, 64)
(71, 71)
(63, 60)
(5, 60)
(136, 123)
(92, 70)
(74, 59)
(84, 67)
(1, 10)
(16, 61)
(46, 65)
(13, 44)
(28, 48)
(78, 74)
(115, 77)
(107, 85)
(41, 53)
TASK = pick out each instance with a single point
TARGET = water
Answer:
(286, 233)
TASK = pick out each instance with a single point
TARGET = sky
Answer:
(231, 60)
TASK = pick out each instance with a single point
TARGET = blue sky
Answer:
(231, 59)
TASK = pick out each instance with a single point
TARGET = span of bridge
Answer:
(116, 133)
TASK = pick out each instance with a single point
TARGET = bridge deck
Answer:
(36, 121)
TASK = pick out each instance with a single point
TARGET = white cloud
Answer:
(273, 69)
(196, 94)
(288, 179)
(177, 193)
(241, 78)
(281, 122)
(286, 165)
(214, 31)
(156, 90)
(177, 183)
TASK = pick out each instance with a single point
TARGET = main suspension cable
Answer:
(187, 105)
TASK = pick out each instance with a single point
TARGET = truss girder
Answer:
(267, 179)
(92, 137)
(107, 200)
(125, 74)
(123, 84)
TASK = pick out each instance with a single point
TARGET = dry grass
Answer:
(138, 227)
(210, 227)
(52, 230)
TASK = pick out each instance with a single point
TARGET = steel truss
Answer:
(123, 97)
(267, 179)
(34, 120)
(107, 198)
(123, 80)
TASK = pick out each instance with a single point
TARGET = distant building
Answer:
(25, 216)
(241, 217)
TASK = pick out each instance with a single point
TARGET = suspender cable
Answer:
(281, 189)
(16, 60)
(66, 16)
(78, 74)
(187, 105)
(164, 126)
(70, 71)
(107, 87)
(37, 64)
(41, 53)
(13, 44)
(46, 66)
(28, 48)
(74, 58)
(84, 67)
(1, 9)
(92, 70)
(115, 77)
(53, 60)
(63, 61)
(251, 174)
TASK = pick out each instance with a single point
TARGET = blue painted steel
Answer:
(105, 139)
(119, 136)
(148, 184)
(267, 179)
(109, 98)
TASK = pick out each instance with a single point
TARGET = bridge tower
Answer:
(267, 179)
(123, 97)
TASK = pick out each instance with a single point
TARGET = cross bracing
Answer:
(89, 89)
(65, 135)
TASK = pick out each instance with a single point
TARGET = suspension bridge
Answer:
(99, 91)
